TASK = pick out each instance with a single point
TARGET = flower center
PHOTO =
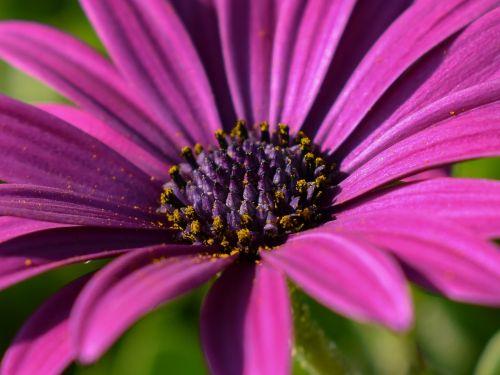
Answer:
(250, 192)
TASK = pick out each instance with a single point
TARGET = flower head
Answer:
(320, 183)
(250, 192)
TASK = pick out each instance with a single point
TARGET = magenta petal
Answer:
(347, 275)
(457, 77)
(151, 47)
(429, 174)
(60, 206)
(471, 202)
(31, 254)
(38, 148)
(247, 30)
(85, 77)
(110, 137)
(132, 286)
(445, 256)
(422, 27)
(11, 227)
(362, 31)
(472, 135)
(200, 19)
(307, 34)
(43, 345)
(456, 104)
(246, 323)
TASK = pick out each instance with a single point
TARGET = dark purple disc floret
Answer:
(249, 192)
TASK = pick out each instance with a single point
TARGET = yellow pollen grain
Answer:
(166, 196)
(305, 143)
(219, 133)
(309, 157)
(244, 235)
(319, 161)
(264, 126)
(286, 222)
(246, 219)
(299, 136)
(301, 186)
(218, 224)
(190, 212)
(186, 150)
(174, 169)
(239, 130)
(175, 217)
(320, 181)
(195, 227)
(283, 128)
(198, 149)
(279, 195)
(306, 213)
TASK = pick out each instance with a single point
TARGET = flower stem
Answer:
(314, 352)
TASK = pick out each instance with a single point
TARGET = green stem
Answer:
(314, 351)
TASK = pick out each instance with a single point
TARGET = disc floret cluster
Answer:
(249, 192)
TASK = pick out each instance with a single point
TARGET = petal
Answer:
(307, 34)
(472, 135)
(422, 27)
(11, 227)
(38, 148)
(360, 34)
(347, 275)
(247, 31)
(32, 254)
(43, 345)
(246, 323)
(429, 174)
(60, 206)
(81, 74)
(131, 287)
(200, 19)
(456, 77)
(441, 255)
(152, 49)
(473, 203)
(110, 137)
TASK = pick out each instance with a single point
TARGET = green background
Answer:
(448, 338)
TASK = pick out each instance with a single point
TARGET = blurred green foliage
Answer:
(448, 338)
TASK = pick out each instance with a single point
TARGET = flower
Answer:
(332, 198)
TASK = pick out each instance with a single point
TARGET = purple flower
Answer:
(385, 90)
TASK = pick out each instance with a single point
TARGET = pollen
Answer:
(301, 186)
(246, 219)
(249, 190)
(195, 227)
(244, 235)
(218, 224)
(190, 212)
(198, 149)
